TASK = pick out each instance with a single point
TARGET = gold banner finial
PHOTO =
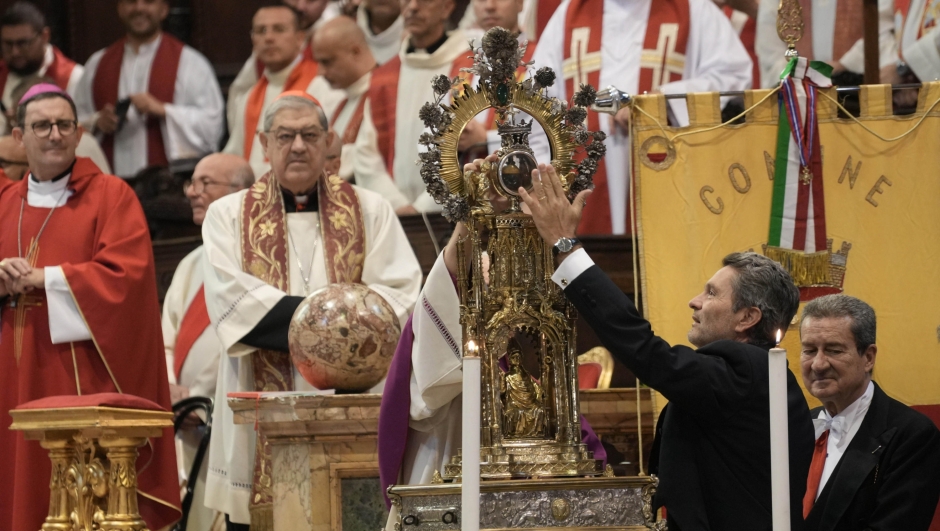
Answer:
(790, 24)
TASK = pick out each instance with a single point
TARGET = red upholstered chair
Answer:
(934, 413)
(595, 369)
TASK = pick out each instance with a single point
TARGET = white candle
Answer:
(470, 487)
(779, 453)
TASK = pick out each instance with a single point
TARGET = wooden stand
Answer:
(94, 463)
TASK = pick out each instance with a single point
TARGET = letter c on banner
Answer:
(721, 204)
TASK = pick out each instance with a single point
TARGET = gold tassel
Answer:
(807, 269)
(262, 517)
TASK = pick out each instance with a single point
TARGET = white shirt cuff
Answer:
(65, 321)
(572, 266)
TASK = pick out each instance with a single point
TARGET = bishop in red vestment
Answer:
(79, 306)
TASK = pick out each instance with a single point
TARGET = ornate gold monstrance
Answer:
(512, 313)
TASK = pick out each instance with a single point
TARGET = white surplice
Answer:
(715, 60)
(237, 301)
(384, 45)
(920, 40)
(418, 68)
(354, 94)
(193, 124)
(328, 98)
(200, 372)
(770, 49)
(14, 79)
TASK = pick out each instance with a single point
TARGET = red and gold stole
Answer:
(662, 61)
(383, 95)
(848, 28)
(298, 79)
(264, 247)
(163, 72)
(194, 323)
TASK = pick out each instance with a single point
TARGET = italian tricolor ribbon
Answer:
(797, 236)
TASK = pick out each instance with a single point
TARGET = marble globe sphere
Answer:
(343, 337)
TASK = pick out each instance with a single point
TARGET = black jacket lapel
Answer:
(859, 459)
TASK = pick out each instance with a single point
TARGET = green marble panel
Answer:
(363, 505)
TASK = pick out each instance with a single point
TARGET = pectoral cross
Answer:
(21, 303)
(664, 60)
(580, 63)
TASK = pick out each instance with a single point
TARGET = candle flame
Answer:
(779, 336)
(471, 346)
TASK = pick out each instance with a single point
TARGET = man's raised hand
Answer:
(554, 216)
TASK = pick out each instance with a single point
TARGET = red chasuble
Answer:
(668, 19)
(384, 89)
(162, 86)
(101, 240)
(60, 70)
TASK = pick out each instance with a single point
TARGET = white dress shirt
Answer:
(842, 429)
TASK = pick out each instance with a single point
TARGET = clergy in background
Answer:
(346, 62)
(26, 52)
(79, 305)
(638, 46)
(150, 99)
(387, 146)
(311, 14)
(294, 231)
(381, 22)
(278, 39)
(191, 345)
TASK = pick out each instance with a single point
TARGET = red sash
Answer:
(163, 72)
(355, 121)
(298, 79)
(384, 88)
(264, 244)
(583, 15)
(194, 323)
(59, 70)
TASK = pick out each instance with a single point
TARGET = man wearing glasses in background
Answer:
(192, 346)
(78, 304)
(24, 42)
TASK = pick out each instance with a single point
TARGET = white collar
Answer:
(391, 33)
(844, 422)
(280, 77)
(450, 50)
(145, 49)
(359, 87)
(47, 194)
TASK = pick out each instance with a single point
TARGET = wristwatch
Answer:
(564, 245)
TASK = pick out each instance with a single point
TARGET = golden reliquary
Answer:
(513, 315)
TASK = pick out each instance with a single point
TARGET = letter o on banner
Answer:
(734, 182)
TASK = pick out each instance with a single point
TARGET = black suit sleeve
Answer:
(271, 331)
(712, 380)
(909, 482)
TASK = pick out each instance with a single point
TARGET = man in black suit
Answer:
(877, 461)
(714, 446)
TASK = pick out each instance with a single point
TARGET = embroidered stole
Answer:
(194, 323)
(662, 61)
(847, 30)
(298, 79)
(355, 121)
(264, 244)
(162, 85)
(384, 90)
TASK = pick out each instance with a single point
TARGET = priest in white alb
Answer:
(637, 46)
(346, 61)
(294, 231)
(279, 42)
(150, 99)
(383, 26)
(387, 145)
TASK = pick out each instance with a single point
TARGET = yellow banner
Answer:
(705, 191)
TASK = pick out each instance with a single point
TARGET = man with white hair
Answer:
(266, 249)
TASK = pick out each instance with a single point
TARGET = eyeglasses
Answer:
(285, 137)
(21, 43)
(199, 185)
(277, 29)
(44, 128)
